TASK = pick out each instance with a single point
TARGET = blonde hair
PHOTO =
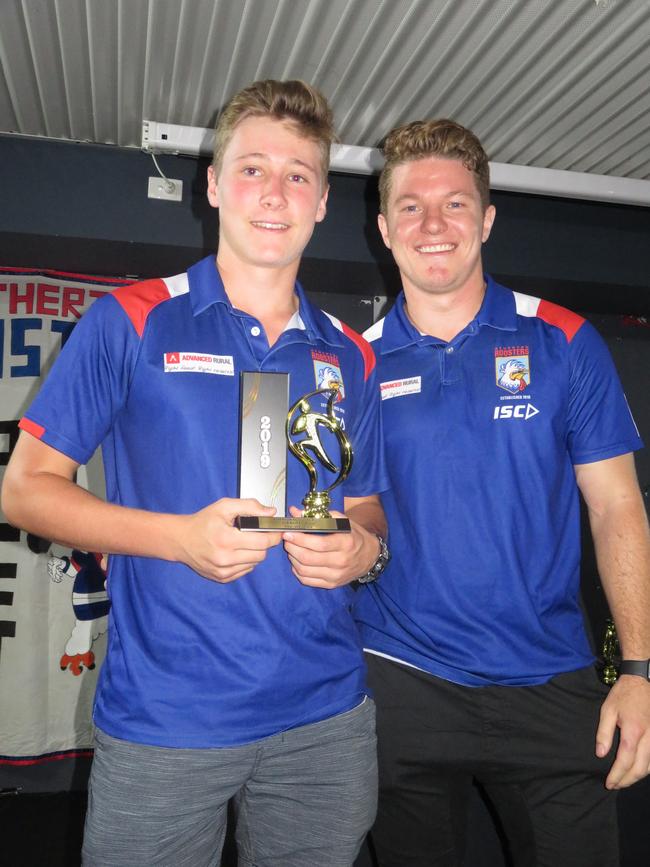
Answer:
(295, 101)
(434, 138)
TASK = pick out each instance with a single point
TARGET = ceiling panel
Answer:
(563, 85)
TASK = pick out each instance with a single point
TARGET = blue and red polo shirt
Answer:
(481, 436)
(190, 662)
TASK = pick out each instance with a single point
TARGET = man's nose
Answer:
(273, 193)
(433, 220)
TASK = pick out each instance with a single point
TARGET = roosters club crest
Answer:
(512, 368)
(327, 372)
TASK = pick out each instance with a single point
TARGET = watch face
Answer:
(378, 566)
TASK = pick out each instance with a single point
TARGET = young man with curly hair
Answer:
(499, 409)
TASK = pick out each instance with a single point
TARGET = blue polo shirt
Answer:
(481, 437)
(151, 373)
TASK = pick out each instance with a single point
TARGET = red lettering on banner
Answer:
(72, 298)
(48, 299)
(47, 294)
(26, 297)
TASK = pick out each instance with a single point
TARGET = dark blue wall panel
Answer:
(85, 207)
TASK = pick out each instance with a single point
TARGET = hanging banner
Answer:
(53, 602)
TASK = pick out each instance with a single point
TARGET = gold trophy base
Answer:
(300, 525)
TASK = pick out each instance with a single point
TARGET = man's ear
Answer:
(383, 228)
(322, 205)
(213, 187)
(488, 221)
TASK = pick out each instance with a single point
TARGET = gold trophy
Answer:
(301, 419)
(302, 433)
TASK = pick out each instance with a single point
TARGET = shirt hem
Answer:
(198, 742)
(463, 678)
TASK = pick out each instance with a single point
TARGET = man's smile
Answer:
(262, 224)
(435, 248)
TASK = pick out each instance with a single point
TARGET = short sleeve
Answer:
(600, 423)
(88, 384)
(368, 474)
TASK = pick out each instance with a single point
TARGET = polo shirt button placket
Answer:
(257, 340)
(448, 364)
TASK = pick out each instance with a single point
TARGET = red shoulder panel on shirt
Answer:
(139, 299)
(36, 430)
(566, 320)
(365, 348)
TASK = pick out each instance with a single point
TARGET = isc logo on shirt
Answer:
(522, 410)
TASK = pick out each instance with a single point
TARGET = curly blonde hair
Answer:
(434, 138)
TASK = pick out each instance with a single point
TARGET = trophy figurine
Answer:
(302, 419)
(310, 435)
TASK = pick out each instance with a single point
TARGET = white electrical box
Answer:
(169, 189)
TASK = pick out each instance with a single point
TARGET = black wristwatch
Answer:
(641, 667)
(378, 566)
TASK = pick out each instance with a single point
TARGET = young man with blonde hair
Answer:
(498, 409)
(233, 668)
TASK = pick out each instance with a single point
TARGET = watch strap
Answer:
(640, 667)
(378, 566)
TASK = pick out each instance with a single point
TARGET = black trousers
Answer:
(532, 749)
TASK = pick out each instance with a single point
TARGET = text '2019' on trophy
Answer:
(267, 432)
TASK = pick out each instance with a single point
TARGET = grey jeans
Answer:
(303, 798)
